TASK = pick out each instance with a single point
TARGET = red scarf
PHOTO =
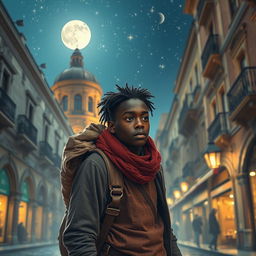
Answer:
(140, 169)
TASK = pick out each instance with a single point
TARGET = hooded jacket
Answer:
(89, 197)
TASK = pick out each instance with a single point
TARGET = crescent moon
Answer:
(162, 18)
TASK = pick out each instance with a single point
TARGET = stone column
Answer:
(246, 230)
(45, 223)
(15, 200)
(33, 228)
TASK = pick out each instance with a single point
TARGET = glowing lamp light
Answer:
(176, 194)
(252, 173)
(212, 156)
(184, 186)
(169, 201)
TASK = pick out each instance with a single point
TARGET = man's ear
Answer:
(111, 127)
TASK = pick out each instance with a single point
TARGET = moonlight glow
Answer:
(75, 34)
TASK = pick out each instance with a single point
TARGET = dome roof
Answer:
(75, 73)
(76, 70)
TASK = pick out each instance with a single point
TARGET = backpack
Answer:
(115, 184)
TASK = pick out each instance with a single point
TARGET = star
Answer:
(96, 13)
(152, 9)
(130, 37)
(162, 66)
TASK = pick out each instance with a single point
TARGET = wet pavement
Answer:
(41, 251)
(196, 252)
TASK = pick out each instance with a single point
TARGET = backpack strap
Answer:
(116, 184)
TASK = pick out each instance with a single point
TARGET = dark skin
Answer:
(131, 125)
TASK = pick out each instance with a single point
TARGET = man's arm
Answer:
(87, 203)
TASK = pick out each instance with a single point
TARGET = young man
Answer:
(143, 225)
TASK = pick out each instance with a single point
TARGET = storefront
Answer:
(222, 197)
(25, 210)
(4, 200)
(40, 214)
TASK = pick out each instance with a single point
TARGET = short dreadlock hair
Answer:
(111, 100)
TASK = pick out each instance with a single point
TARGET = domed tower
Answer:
(78, 93)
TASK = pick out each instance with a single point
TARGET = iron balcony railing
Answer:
(188, 103)
(57, 160)
(46, 150)
(218, 126)
(7, 105)
(188, 169)
(26, 127)
(211, 47)
(244, 85)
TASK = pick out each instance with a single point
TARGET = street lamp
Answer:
(184, 186)
(176, 193)
(169, 201)
(212, 156)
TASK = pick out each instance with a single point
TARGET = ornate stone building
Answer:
(33, 131)
(215, 103)
(78, 93)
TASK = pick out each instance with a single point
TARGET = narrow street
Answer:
(54, 251)
(41, 251)
(196, 252)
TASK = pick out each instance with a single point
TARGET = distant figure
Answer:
(21, 233)
(214, 229)
(197, 227)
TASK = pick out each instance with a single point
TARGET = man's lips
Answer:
(140, 135)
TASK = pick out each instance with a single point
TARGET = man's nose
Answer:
(139, 123)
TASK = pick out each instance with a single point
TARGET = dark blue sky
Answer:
(128, 44)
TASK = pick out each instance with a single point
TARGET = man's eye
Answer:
(145, 118)
(129, 118)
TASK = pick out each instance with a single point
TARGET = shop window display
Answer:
(4, 193)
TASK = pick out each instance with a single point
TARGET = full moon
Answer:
(75, 34)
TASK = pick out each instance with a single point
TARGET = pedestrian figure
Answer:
(214, 229)
(197, 227)
(21, 233)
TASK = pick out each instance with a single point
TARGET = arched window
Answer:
(64, 103)
(90, 104)
(78, 103)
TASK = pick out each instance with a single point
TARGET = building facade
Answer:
(78, 93)
(33, 131)
(215, 102)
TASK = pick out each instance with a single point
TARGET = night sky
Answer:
(128, 45)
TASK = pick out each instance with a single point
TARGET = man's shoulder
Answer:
(94, 158)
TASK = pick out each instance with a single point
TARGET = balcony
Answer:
(204, 9)
(7, 110)
(242, 97)
(188, 169)
(188, 116)
(27, 133)
(211, 59)
(173, 149)
(189, 6)
(218, 130)
(57, 160)
(46, 152)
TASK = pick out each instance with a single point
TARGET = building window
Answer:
(223, 100)
(90, 104)
(78, 103)
(64, 103)
(46, 132)
(242, 62)
(6, 80)
(57, 143)
(214, 109)
(30, 106)
(233, 5)
(196, 75)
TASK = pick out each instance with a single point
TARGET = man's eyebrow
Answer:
(133, 112)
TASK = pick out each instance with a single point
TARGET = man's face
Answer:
(131, 124)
